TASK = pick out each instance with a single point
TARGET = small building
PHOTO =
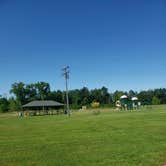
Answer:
(43, 107)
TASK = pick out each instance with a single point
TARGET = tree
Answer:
(106, 98)
(75, 98)
(3, 105)
(42, 89)
(161, 94)
(131, 93)
(117, 94)
(31, 92)
(14, 105)
(155, 100)
(18, 89)
(96, 95)
(84, 96)
(56, 95)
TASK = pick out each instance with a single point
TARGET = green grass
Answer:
(84, 139)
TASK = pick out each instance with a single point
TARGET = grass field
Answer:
(84, 139)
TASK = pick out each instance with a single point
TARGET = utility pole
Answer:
(66, 75)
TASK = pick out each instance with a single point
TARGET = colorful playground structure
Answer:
(126, 103)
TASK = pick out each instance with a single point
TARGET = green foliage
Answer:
(56, 95)
(43, 90)
(14, 105)
(18, 89)
(3, 105)
(161, 94)
(146, 97)
(117, 95)
(155, 100)
(82, 97)
(131, 93)
(29, 92)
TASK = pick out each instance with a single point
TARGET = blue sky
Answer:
(114, 43)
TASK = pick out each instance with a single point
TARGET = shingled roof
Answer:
(45, 103)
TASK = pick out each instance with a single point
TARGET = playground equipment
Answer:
(126, 103)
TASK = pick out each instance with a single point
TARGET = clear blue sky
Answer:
(114, 43)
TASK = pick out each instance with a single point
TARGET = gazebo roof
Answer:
(45, 103)
(134, 98)
(123, 97)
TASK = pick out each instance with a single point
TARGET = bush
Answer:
(95, 104)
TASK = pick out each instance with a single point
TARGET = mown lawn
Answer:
(84, 139)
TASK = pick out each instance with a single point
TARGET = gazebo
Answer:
(42, 107)
(126, 103)
(135, 102)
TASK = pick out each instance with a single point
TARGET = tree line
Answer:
(24, 93)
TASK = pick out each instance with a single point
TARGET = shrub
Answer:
(95, 104)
